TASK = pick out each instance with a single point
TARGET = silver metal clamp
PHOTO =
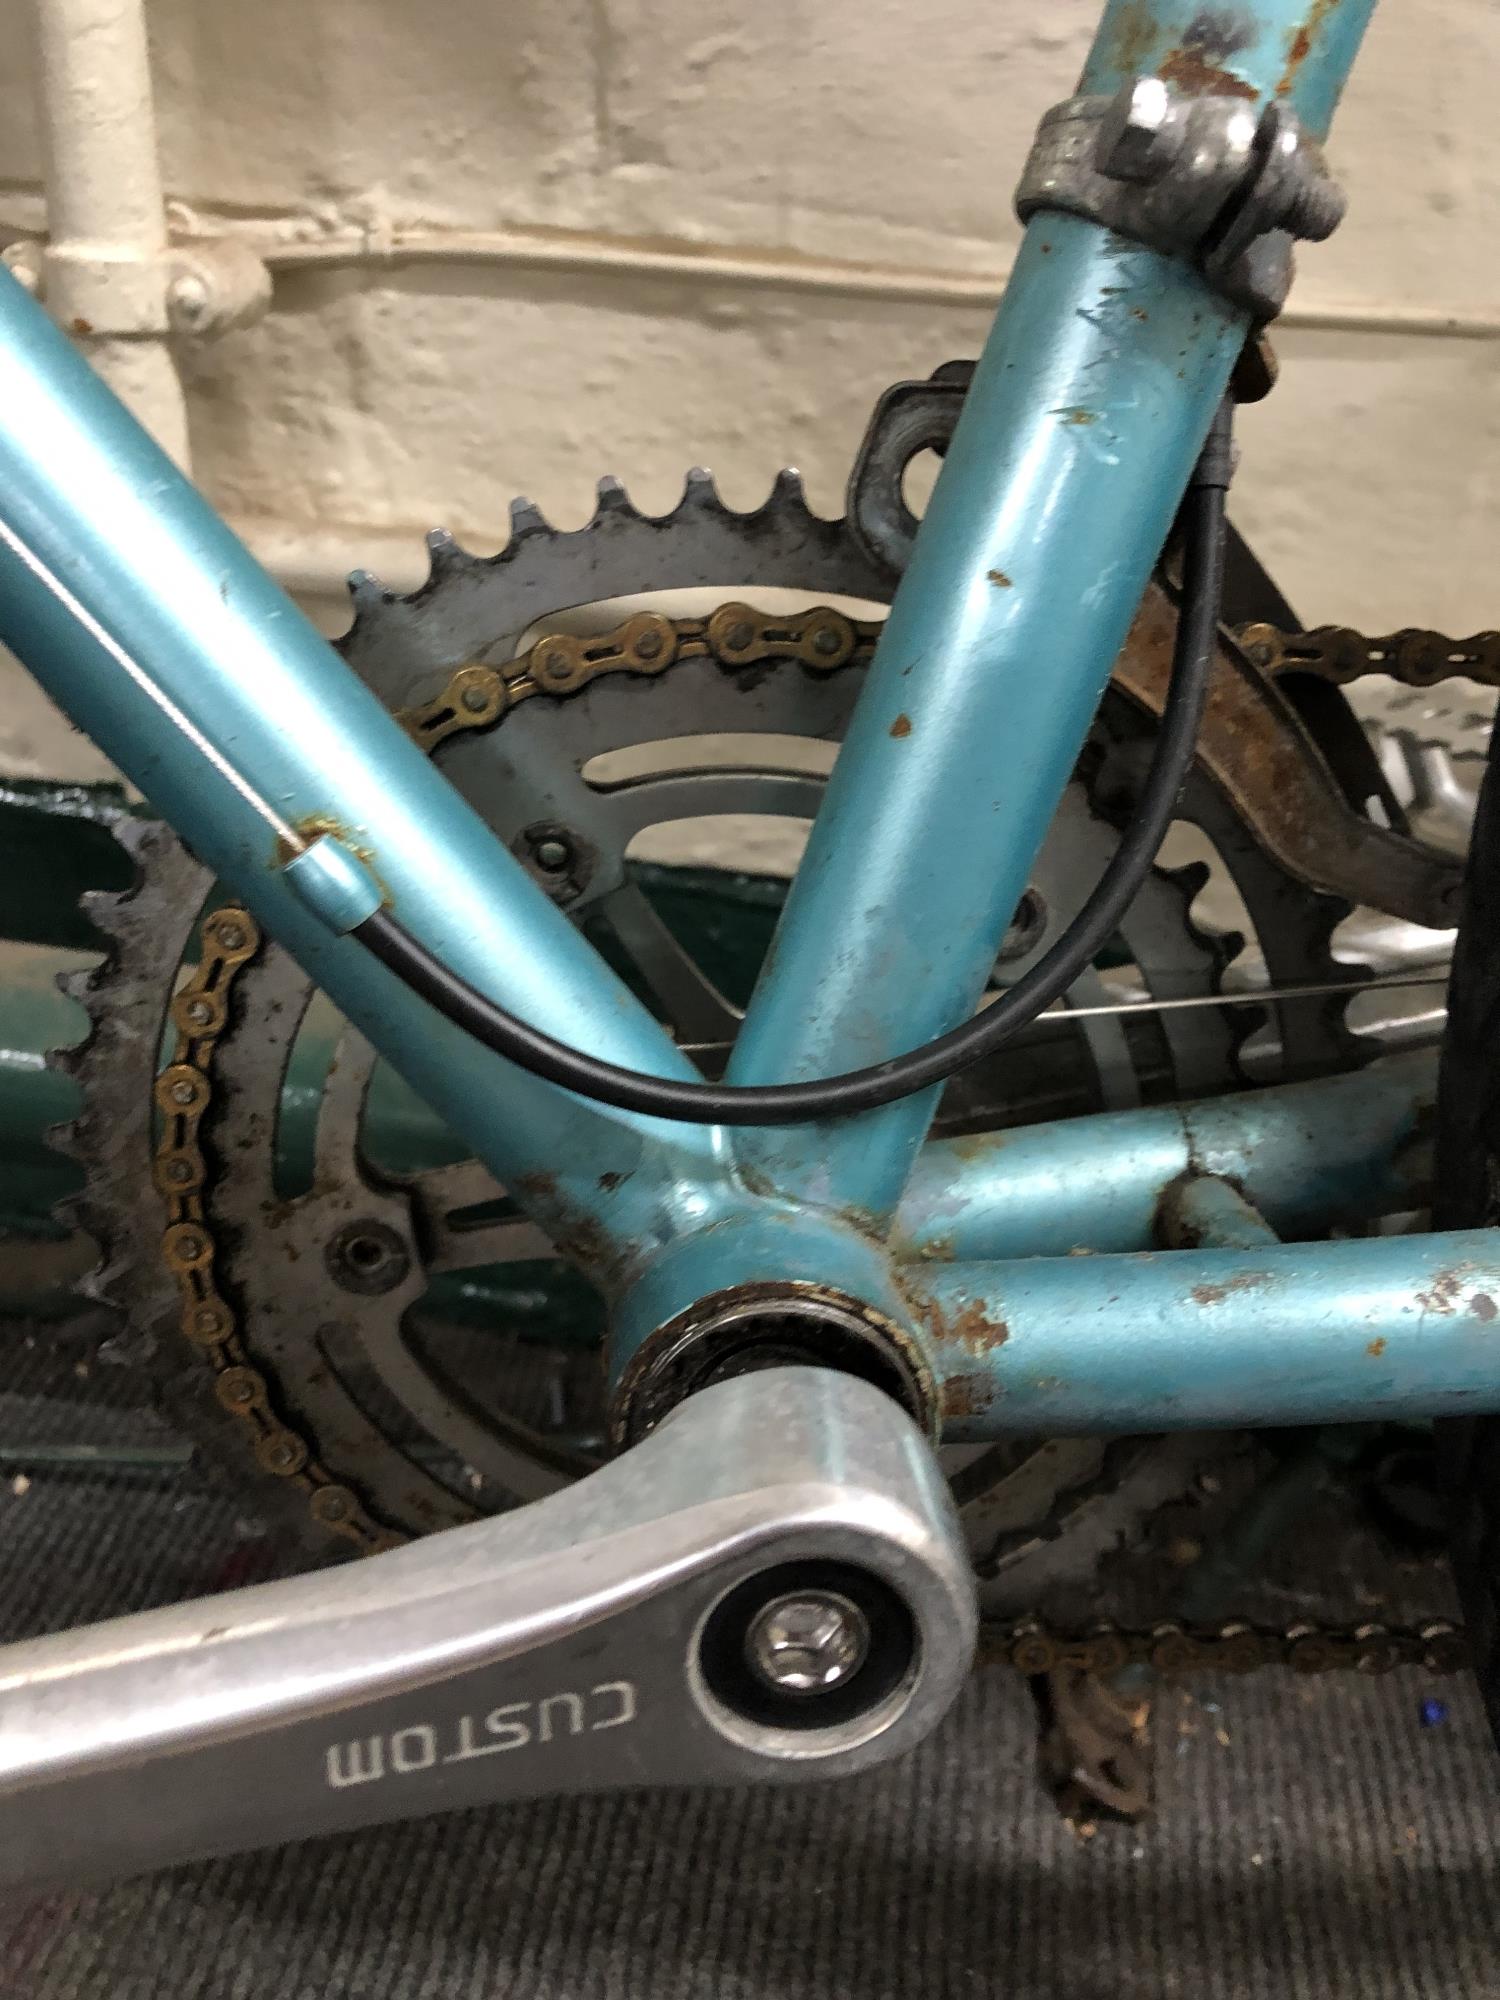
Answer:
(1217, 180)
(772, 1586)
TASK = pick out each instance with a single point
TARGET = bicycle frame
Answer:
(156, 631)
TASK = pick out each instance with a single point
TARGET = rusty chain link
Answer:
(1415, 657)
(1231, 1647)
(822, 640)
(184, 1091)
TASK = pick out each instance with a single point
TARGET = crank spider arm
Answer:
(771, 1586)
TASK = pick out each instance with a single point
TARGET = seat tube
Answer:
(1092, 398)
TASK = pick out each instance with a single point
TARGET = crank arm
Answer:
(771, 1586)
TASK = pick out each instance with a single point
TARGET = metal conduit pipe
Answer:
(105, 266)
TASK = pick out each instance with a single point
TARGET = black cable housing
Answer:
(867, 1089)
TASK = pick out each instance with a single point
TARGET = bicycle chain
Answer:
(184, 1091)
(477, 696)
(1416, 657)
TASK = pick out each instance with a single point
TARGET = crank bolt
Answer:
(808, 1643)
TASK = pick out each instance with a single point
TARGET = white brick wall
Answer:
(846, 128)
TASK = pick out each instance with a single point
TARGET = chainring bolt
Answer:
(808, 1643)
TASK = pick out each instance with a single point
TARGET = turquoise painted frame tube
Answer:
(1285, 1333)
(151, 576)
(1311, 1156)
(1096, 388)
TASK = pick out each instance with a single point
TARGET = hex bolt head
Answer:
(1138, 136)
(808, 1643)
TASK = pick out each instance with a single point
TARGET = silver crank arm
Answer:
(772, 1585)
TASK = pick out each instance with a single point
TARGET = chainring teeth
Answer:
(456, 574)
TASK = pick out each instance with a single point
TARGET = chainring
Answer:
(432, 1421)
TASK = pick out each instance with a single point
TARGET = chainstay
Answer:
(476, 696)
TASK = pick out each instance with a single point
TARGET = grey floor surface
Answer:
(1313, 1839)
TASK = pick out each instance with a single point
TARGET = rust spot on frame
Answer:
(1442, 1295)
(1134, 37)
(1376, 1347)
(967, 1395)
(1300, 46)
(1191, 70)
(1215, 1295)
(973, 1328)
(1000, 580)
(901, 726)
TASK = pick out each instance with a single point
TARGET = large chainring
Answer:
(394, 1311)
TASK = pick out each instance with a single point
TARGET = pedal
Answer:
(771, 1586)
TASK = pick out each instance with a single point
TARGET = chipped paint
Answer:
(1443, 1294)
(1300, 43)
(1132, 30)
(1191, 72)
(1242, 1281)
(966, 1396)
(973, 1329)
(901, 726)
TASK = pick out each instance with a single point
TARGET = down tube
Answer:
(91, 500)
(1094, 392)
